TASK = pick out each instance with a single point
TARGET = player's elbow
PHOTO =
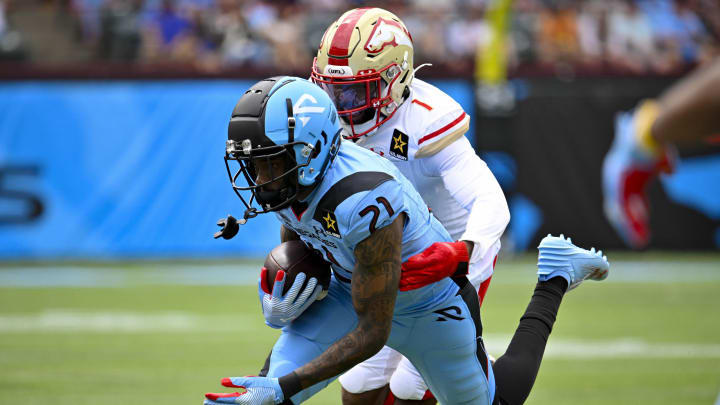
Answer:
(375, 338)
(374, 345)
(379, 339)
(504, 215)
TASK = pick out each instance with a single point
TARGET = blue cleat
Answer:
(559, 257)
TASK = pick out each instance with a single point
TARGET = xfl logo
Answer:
(451, 312)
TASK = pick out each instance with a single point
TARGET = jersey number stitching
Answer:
(376, 211)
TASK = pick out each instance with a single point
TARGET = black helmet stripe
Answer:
(291, 120)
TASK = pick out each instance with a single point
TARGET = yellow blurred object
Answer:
(645, 116)
(491, 60)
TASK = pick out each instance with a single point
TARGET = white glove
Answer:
(279, 311)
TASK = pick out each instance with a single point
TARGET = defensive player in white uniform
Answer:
(365, 64)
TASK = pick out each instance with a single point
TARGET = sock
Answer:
(516, 370)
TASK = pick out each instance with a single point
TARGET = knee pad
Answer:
(407, 383)
(371, 374)
(355, 382)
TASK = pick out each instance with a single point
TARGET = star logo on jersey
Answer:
(399, 145)
(329, 224)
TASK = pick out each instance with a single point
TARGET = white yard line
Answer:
(161, 274)
(66, 320)
(620, 347)
(73, 321)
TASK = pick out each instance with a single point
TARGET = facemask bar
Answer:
(246, 167)
(327, 83)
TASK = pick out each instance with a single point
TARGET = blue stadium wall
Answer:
(123, 169)
(134, 169)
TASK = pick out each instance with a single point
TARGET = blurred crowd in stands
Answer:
(639, 36)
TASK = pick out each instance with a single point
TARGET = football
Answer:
(295, 257)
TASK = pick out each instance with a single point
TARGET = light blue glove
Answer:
(279, 311)
(258, 391)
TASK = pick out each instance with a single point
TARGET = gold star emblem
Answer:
(329, 222)
(399, 144)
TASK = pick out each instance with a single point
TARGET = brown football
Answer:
(295, 257)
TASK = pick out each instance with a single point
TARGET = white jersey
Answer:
(425, 140)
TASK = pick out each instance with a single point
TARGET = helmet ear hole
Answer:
(316, 152)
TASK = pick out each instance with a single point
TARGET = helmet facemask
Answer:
(282, 137)
(364, 101)
(271, 174)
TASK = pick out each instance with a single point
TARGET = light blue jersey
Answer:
(362, 192)
(433, 326)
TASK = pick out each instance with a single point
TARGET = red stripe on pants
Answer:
(482, 290)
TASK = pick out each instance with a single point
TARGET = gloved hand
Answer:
(438, 261)
(279, 311)
(258, 391)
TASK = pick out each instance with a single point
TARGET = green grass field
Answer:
(165, 333)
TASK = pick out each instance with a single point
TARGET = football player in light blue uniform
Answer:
(368, 221)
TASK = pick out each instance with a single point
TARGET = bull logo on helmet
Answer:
(387, 32)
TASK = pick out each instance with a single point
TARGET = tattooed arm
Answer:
(287, 235)
(374, 288)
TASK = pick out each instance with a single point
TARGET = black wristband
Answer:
(290, 384)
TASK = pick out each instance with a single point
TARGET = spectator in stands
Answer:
(524, 27)
(664, 23)
(3, 19)
(689, 32)
(168, 35)
(11, 41)
(591, 25)
(236, 45)
(557, 36)
(465, 33)
(709, 13)
(319, 13)
(86, 16)
(284, 36)
(427, 23)
(120, 22)
(639, 36)
(630, 43)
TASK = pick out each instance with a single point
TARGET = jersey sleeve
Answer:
(374, 210)
(479, 194)
(444, 124)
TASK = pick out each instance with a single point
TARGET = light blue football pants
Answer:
(432, 326)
